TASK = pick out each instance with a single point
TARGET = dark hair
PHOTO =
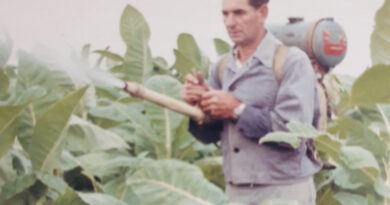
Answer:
(257, 3)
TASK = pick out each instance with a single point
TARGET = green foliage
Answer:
(189, 56)
(221, 46)
(8, 127)
(380, 38)
(4, 83)
(212, 170)
(173, 182)
(370, 87)
(138, 62)
(47, 141)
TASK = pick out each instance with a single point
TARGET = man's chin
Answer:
(236, 40)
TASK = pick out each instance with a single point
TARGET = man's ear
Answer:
(263, 10)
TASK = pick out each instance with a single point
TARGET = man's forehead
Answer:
(235, 4)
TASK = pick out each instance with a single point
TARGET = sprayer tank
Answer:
(323, 40)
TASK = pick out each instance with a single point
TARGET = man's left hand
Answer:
(219, 104)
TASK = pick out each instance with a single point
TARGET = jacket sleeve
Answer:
(294, 101)
(210, 132)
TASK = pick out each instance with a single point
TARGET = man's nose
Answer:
(229, 21)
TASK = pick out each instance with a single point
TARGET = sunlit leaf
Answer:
(164, 121)
(53, 182)
(16, 186)
(103, 164)
(174, 182)
(70, 197)
(189, 56)
(212, 170)
(100, 199)
(221, 46)
(350, 199)
(8, 126)
(109, 55)
(380, 38)
(138, 62)
(4, 83)
(83, 136)
(382, 188)
(48, 138)
(371, 87)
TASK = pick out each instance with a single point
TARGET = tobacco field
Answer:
(68, 139)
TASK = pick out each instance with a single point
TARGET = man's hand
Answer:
(193, 88)
(219, 104)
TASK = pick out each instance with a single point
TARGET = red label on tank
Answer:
(335, 43)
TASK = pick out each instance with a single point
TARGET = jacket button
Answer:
(241, 130)
(236, 150)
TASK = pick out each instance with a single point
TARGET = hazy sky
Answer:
(69, 24)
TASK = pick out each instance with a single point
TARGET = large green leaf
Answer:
(382, 188)
(48, 138)
(174, 182)
(8, 126)
(221, 46)
(358, 158)
(286, 137)
(100, 199)
(70, 197)
(102, 164)
(7, 172)
(380, 38)
(40, 84)
(16, 186)
(109, 55)
(189, 56)
(5, 48)
(4, 83)
(325, 197)
(119, 189)
(358, 134)
(53, 182)
(83, 136)
(371, 87)
(344, 178)
(212, 170)
(138, 62)
(164, 121)
(297, 131)
(350, 199)
(329, 145)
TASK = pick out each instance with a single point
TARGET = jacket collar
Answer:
(266, 50)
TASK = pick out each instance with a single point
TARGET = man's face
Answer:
(243, 22)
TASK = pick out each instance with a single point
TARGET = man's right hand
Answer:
(193, 88)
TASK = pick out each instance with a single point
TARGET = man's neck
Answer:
(245, 51)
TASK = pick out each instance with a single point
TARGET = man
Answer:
(247, 102)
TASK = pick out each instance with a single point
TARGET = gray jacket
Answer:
(269, 107)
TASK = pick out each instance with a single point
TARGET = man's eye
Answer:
(239, 12)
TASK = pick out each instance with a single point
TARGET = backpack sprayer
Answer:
(324, 41)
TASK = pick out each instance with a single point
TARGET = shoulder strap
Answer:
(279, 59)
(222, 67)
(323, 118)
